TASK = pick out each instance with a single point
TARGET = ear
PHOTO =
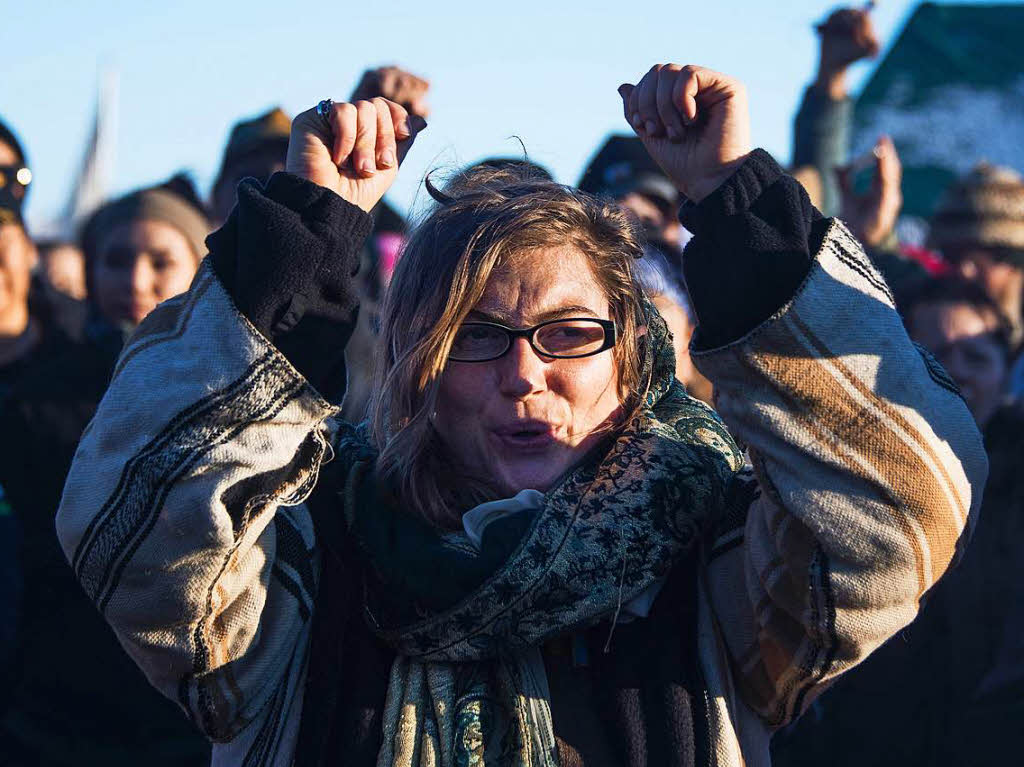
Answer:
(641, 331)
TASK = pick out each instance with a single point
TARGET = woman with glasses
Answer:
(538, 550)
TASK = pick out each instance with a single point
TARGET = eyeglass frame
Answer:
(611, 337)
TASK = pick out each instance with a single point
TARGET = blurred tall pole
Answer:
(89, 190)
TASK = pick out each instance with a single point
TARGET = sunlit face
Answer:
(138, 264)
(961, 338)
(17, 256)
(522, 420)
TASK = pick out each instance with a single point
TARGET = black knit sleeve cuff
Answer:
(315, 204)
(751, 249)
(758, 172)
(288, 255)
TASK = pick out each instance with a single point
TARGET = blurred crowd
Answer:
(947, 690)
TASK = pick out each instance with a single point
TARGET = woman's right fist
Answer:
(354, 150)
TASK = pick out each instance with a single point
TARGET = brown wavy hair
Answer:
(483, 218)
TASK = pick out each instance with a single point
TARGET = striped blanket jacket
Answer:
(185, 522)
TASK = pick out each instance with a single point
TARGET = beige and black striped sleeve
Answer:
(867, 472)
(182, 515)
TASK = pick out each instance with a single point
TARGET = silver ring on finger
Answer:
(324, 110)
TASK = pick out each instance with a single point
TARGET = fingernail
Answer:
(387, 158)
(637, 122)
(672, 133)
(365, 166)
(650, 126)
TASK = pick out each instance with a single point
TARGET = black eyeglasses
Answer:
(560, 339)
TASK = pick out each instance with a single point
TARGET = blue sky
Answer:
(541, 70)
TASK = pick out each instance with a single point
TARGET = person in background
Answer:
(255, 149)
(21, 335)
(948, 689)
(979, 228)
(967, 331)
(29, 328)
(59, 286)
(34, 328)
(655, 277)
(821, 131)
(623, 170)
(142, 249)
(61, 268)
(978, 614)
(21, 340)
(73, 696)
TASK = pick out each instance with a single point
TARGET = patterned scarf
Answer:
(469, 687)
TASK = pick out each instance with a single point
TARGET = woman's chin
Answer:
(534, 474)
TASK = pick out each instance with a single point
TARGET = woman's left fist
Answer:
(694, 123)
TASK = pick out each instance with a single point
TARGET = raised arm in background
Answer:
(821, 130)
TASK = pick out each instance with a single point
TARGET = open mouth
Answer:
(526, 435)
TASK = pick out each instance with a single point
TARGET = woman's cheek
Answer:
(590, 392)
(462, 389)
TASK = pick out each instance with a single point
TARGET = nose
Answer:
(521, 371)
(141, 278)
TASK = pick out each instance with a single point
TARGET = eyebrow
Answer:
(573, 310)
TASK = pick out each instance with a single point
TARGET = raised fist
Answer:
(394, 84)
(694, 123)
(354, 150)
(872, 216)
(847, 35)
